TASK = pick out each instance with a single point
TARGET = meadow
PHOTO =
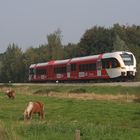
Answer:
(103, 119)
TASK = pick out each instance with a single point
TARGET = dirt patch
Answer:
(93, 96)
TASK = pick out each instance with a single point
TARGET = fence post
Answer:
(77, 135)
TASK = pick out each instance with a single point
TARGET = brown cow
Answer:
(10, 93)
(34, 107)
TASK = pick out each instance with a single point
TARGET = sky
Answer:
(28, 22)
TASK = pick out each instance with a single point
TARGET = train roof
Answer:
(105, 55)
(84, 58)
(42, 64)
(115, 54)
(61, 61)
(38, 64)
(32, 65)
(76, 59)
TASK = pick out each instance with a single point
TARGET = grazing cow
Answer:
(34, 107)
(10, 93)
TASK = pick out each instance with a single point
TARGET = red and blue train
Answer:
(108, 66)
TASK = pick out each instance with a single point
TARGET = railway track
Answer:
(127, 84)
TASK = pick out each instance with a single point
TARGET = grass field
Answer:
(102, 119)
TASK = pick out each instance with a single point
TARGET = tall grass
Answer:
(88, 89)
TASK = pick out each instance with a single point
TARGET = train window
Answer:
(82, 67)
(110, 63)
(105, 63)
(127, 59)
(60, 70)
(92, 66)
(87, 67)
(41, 71)
(63, 70)
(115, 63)
(73, 67)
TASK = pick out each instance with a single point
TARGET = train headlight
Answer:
(130, 73)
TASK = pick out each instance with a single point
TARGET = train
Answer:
(112, 66)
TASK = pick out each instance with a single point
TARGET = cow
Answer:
(10, 93)
(32, 108)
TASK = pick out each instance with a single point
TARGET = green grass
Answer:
(96, 120)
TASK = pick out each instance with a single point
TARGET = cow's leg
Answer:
(39, 115)
(30, 115)
(42, 115)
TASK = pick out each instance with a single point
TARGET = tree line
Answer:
(14, 63)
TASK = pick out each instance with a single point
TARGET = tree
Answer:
(119, 44)
(71, 50)
(96, 40)
(12, 65)
(55, 45)
(133, 34)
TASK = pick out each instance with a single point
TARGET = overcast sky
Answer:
(28, 22)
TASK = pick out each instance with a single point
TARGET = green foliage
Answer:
(54, 45)
(119, 45)
(71, 50)
(12, 68)
(96, 40)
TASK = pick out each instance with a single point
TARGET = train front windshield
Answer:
(127, 59)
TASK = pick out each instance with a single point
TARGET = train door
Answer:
(68, 70)
(99, 67)
(50, 73)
